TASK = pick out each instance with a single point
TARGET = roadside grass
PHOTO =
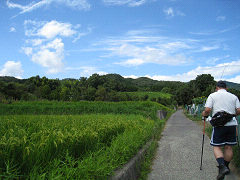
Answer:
(147, 163)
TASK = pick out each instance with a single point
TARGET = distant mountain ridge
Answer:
(232, 85)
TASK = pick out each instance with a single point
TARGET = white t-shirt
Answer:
(223, 101)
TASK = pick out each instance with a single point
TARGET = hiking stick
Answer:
(203, 142)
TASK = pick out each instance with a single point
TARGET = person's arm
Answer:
(238, 111)
(206, 112)
(208, 107)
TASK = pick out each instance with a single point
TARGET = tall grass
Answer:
(30, 143)
(147, 109)
(149, 94)
(67, 140)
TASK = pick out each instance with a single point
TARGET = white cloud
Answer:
(221, 18)
(50, 29)
(138, 47)
(79, 35)
(169, 12)
(135, 50)
(207, 48)
(176, 45)
(12, 29)
(12, 68)
(76, 4)
(45, 45)
(131, 76)
(27, 50)
(132, 62)
(86, 71)
(49, 56)
(132, 3)
(235, 79)
(213, 60)
(141, 55)
(226, 71)
(53, 28)
(37, 42)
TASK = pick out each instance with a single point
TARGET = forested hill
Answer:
(233, 85)
(106, 88)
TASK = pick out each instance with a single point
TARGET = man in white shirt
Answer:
(223, 136)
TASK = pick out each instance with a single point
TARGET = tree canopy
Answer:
(105, 88)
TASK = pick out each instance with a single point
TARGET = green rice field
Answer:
(82, 140)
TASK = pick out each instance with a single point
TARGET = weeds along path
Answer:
(179, 153)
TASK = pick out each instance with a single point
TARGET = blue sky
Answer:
(160, 39)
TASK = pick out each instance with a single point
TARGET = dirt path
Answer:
(179, 153)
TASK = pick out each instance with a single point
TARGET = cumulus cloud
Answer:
(76, 4)
(12, 68)
(45, 45)
(54, 28)
(50, 56)
(50, 29)
(227, 71)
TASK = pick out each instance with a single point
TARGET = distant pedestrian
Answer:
(224, 107)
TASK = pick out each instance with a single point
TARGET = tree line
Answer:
(103, 88)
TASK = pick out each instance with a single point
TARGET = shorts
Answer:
(225, 135)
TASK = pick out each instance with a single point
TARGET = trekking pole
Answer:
(203, 142)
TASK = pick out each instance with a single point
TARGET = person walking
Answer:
(223, 105)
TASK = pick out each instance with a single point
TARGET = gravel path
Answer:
(179, 153)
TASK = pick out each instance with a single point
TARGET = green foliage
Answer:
(146, 165)
(236, 92)
(107, 88)
(231, 85)
(236, 156)
(35, 141)
(205, 84)
(184, 94)
(147, 109)
(199, 100)
(64, 144)
(160, 97)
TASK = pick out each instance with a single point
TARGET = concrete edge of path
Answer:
(131, 170)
